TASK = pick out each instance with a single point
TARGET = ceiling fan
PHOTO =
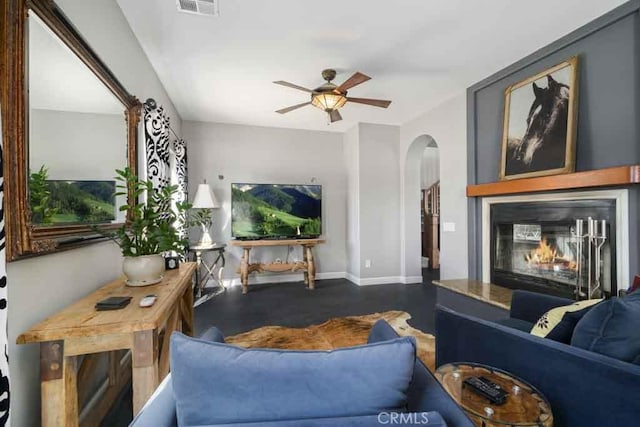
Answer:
(330, 97)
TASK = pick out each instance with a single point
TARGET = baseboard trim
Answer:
(369, 281)
(298, 277)
(353, 279)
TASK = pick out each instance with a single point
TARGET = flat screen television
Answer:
(262, 211)
(74, 202)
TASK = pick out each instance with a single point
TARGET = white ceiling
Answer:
(418, 52)
(59, 80)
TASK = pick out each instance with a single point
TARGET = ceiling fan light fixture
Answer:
(328, 101)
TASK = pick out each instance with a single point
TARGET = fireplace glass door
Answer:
(535, 246)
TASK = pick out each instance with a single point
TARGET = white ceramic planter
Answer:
(143, 270)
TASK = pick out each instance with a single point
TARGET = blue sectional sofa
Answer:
(584, 388)
(426, 399)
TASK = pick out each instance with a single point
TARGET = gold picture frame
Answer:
(540, 123)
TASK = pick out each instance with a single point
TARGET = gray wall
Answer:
(78, 146)
(351, 140)
(609, 97)
(271, 155)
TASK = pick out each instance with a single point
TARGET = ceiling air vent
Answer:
(199, 7)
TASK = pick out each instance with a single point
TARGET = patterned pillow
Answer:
(557, 324)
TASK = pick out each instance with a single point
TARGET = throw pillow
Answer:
(611, 328)
(635, 285)
(558, 323)
(217, 383)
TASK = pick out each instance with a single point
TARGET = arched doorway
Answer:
(419, 171)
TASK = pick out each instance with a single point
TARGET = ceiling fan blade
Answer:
(335, 116)
(291, 85)
(367, 101)
(293, 107)
(352, 81)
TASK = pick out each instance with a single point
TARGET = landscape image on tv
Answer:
(74, 202)
(276, 210)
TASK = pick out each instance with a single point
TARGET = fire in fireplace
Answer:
(547, 258)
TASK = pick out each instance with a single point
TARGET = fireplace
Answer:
(565, 245)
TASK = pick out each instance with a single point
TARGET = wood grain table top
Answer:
(81, 319)
(272, 242)
(525, 405)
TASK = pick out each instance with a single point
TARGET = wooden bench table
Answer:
(307, 265)
(80, 330)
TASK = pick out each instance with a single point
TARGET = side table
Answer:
(206, 271)
(525, 405)
(71, 340)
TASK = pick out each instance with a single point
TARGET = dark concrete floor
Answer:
(291, 304)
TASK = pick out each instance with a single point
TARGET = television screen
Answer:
(275, 210)
(73, 202)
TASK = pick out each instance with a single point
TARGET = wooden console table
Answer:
(307, 265)
(80, 330)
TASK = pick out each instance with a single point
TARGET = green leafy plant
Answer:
(39, 197)
(152, 227)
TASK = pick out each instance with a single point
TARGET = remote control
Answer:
(148, 301)
(488, 389)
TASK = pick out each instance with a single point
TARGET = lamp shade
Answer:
(205, 199)
(328, 101)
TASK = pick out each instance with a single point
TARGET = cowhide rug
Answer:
(334, 333)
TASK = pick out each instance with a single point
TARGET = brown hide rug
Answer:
(334, 333)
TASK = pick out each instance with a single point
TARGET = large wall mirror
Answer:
(68, 124)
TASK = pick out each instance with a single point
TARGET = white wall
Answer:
(373, 204)
(253, 154)
(447, 125)
(38, 287)
(379, 202)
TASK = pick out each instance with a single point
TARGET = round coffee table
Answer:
(525, 405)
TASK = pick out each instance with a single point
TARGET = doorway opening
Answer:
(421, 172)
(430, 206)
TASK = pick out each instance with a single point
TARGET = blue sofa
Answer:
(426, 398)
(583, 388)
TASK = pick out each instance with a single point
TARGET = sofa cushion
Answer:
(610, 328)
(395, 419)
(217, 383)
(558, 323)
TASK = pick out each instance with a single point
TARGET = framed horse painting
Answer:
(540, 117)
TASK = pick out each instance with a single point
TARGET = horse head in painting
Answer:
(544, 141)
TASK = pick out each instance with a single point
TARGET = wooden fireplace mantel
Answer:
(621, 175)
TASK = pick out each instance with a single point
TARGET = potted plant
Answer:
(151, 228)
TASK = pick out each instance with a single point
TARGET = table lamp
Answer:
(205, 199)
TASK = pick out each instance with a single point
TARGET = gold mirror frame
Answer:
(22, 238)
